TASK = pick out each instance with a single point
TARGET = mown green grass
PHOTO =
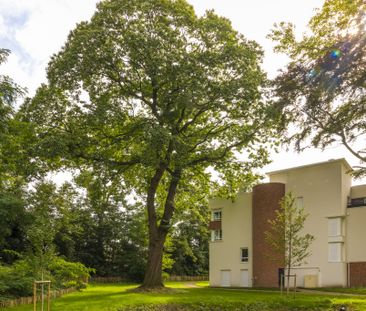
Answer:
(347, 290)
(113, 297)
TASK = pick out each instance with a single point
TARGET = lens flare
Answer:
(335, 54)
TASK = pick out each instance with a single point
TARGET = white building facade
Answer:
(240, 257)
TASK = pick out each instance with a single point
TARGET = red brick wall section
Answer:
(357, 274)
(266, 199)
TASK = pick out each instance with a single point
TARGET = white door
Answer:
(225, 278)
(244, 278)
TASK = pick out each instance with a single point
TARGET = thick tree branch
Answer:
(169, 205)
(222, 154)
(150, 202)
(95, 158)
(349, 148)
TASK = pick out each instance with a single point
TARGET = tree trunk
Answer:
(288, 280)
(156, 242)
(153, 273)
(158, 234)
(289, 263)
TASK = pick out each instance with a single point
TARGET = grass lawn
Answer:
(347, 290)
(115, 297)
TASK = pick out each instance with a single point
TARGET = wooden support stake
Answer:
(49, 297)
(42, 283)
(34, 296)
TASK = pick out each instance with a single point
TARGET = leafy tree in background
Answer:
(14, 169)
(14, 221)
(42, 205)
(157, 95)
(28, 219)
(322, 90)
(286, 236)
(69, 224)
(9, 92)
(190, 247)
(114, 237)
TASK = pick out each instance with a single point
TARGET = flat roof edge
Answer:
(342, 160)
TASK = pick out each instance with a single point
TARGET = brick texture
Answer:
(266, 199)
(357, 274)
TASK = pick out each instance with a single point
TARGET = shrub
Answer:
(17, 280)
(69, 274)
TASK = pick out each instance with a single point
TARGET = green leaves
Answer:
(145, 83)
(286, 236)
(322, 90)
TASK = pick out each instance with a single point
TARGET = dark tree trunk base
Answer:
(153, 275)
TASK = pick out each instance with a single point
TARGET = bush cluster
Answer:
(16, 280)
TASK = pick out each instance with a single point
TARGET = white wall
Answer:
(324, 188)
(236, 233)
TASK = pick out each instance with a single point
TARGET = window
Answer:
(299, 202)
(216, 235)
(216, 215)
(334, 252)
(244, 254)
(334, 226)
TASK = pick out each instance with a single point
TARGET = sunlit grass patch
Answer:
(115, 297)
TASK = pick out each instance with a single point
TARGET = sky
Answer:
(35, 29)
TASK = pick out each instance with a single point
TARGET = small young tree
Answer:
(286, 234)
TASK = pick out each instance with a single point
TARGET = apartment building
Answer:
(240, 257)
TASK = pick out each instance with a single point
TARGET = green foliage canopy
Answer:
(146, 84)
(322, 90)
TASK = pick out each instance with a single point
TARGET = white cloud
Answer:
(255, 19)
(3, 27)
(48, 25)
(37, 29)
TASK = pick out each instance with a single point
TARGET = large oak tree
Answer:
(162, 97)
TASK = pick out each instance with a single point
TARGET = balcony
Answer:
(215, 225)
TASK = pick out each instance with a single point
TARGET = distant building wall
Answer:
(355, 239)
(236, 234)
(323, 189)
(358, 191)
(356, 233)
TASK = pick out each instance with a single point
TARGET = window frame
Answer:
(244, 257)
(213, 218)
(339, 252)
(214, 237)
(335, 223)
